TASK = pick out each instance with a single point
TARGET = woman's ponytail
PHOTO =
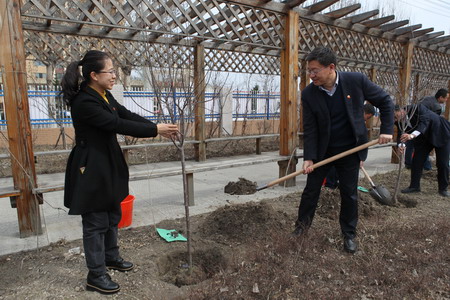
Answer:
(70, 82)
(93, 61)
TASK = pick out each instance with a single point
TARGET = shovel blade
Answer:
(381, 195)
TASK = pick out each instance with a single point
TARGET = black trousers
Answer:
(100, 234)
(347, 169)
(422, 150)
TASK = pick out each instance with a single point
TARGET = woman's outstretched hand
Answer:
(168, 130)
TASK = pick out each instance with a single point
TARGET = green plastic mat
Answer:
(170, 235)
(363, 189)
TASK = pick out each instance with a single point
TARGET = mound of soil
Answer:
(240, 223)
(241, 187)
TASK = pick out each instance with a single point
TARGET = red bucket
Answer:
(127, 211)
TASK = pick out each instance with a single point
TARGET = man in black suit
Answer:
(433, 103)
(427, 130)
(332, 179)
(333, 123)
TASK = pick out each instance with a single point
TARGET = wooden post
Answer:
(304, 82)
(369, 123)
(190, 188)
(416, 96)
(13, 69)
(199, 91)
(289, 78)
(405, 75)
(258, 146)
(403, 94)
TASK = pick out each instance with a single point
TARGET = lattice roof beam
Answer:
(418, 33)
(430, 36)
(439, 40)
(264, 4)
(258, 24)
(394, 25)
(363, 16)
(407, 29)
(294, 3)
(319, 6)
(87, 13)
(377, 22)
(339, 13)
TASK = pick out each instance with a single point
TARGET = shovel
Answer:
(379, 193)
(319, 164)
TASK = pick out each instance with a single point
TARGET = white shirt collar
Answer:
(331, 93)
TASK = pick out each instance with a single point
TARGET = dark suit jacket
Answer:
(432, 104)
(316, 117)
(97, 174)
(433, 128)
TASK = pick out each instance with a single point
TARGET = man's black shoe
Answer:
(298, 231)
(410, 190)
(408, 166)
(444, 194)
(120, 265)
(101, 283)
(350, 245)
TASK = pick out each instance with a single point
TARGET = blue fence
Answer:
(47, 109)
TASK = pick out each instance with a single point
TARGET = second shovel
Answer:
(379, 193)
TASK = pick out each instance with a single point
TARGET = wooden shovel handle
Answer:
(368, 177)
(320, 163)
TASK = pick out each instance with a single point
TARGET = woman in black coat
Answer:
(97, 174)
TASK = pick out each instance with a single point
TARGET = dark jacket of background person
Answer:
(433, 128)
(432, 104)
(356, 89)
(97, 174)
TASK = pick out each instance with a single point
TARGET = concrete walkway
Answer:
(160, 198)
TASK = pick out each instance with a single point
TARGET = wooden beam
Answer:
(439, 40)
(430, 36)
(12, 63)
(199, 91)
(321, 5)
(339, 13)
(263, 4)
(289, 78)
(294, 3)
(377, 22)
(394, 25)
(363, 16)
(407, 29)
(418, 33)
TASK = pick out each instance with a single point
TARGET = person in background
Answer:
(435, 105)
(333, 123)
(332, 180)
(428, 131)
(97, 175)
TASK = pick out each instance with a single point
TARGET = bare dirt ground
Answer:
(246, 252)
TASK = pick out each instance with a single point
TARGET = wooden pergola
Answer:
(249, 36)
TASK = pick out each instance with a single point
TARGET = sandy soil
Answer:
(246, 252)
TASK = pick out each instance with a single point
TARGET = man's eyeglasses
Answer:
(315, 71)
(112, 72)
